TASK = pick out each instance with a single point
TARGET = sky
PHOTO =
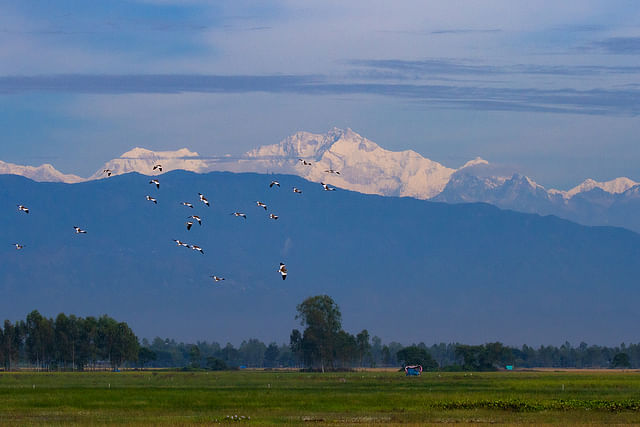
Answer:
(551, 88)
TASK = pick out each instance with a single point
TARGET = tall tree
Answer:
(322, 318)
(364, 347)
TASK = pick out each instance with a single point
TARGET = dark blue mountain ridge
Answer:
(405, 269)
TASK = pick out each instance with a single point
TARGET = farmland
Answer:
(277, 397)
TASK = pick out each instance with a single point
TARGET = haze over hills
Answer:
(367, 168)
(403, 268)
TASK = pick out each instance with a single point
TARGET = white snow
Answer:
(614, 186)
(43, 173)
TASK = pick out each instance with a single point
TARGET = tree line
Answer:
(76, 343)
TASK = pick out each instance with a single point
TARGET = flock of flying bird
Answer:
(282, 269)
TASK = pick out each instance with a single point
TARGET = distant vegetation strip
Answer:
(76, 343)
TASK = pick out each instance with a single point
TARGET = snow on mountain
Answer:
(615, 186)
(142, 160)
(42, 173)
(363, 165)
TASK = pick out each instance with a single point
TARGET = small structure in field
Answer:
(413, 370)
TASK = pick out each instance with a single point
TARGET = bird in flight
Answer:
(189, 224)
(203, 199)
(332, 171)
(18, 246)
(23, 208)
(216, 278)
(107, 171)
(197, 218)
(156, 182)
(272, 216)
(179, 243)
(197, 248)
(262, 205)
(283, 271)
(304, 162)
(274, 183)
(240, 214)
(326, 187)
(151, 199)
(79, 230)
(187, 204)
(297, 190)
(158, 167)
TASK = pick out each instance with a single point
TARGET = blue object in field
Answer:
(413, 370)
(242, 367)
(509, 367)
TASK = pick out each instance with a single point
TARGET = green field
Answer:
(277, 397)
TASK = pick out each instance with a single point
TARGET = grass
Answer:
(280, 397)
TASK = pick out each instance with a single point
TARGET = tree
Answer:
(364, 347)
(271, 355)
(414, 355)
(194, 356)
(146, 355)
(621, 360)
(322, 318)
(295, 345)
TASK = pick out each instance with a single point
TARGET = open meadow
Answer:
(289, 397)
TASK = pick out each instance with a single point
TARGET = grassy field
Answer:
(279, 397)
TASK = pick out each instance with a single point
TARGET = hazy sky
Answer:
(550, 87)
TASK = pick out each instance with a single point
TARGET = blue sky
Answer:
(552, 88)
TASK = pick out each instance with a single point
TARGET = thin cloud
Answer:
(618, 45)
(594, 101)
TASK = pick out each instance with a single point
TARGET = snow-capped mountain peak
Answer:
(614, 186)
(142, 160)
(475, 162)
(43, 173)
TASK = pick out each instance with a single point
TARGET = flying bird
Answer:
(297, 190)
(179, 243)
(283, 271)
(197, 248)
(203, 199)
(159, 167)
(79, 230)
(332, 171)
(23, 208)
(18, 246)
(272, 216)
(216, 278)
(197, 218)
(189, 224)
(151, 199)
(156, 182)
(187, 204)
(326, 187)
(262, 205)
(240, 214)
(274, 183)
(304, 162)
(107, 171)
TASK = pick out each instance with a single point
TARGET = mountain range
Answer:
(365, 167)
(405, 269)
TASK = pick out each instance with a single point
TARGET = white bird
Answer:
(283, 271)
(203, 199)
(216, 278)
(262, 205)
(179, 243)
(187, 204)
(23, 208)
(272, 216)
(151, 199)
(240, 214)
(327, 188)
(107, 171)
(297, 190)
(189, 224)
(18, 246)
(156, 182)
(197, 218)
(304, 162)
(79, 230)
(332, 171)
(274, 183)
(159, 167)
(197, 248)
